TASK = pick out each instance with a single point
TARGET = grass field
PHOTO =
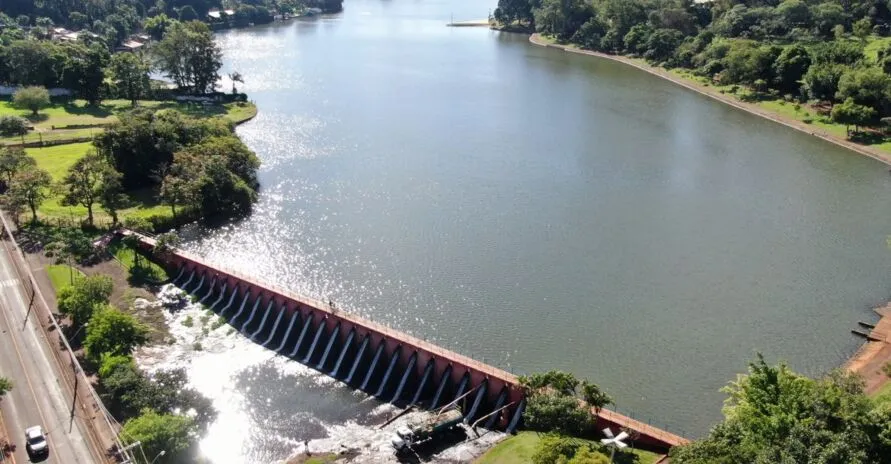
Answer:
(58, 159)
(61, 274)
(147, 269)
(519, 449)
(50, 122)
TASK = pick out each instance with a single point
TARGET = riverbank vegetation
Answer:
(157, 409)
(561, 416)
(773, 414)
(823, 62)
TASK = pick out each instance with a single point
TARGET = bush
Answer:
(13, 125)
(31, 98)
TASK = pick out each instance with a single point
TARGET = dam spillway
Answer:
(390, 364)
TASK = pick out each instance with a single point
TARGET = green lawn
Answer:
(61, 274)
(519, 449)
(50, 122)
(58, 159)
(147, 270)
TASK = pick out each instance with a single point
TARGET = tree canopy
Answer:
(773, 415)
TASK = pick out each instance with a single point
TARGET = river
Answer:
(534, 209)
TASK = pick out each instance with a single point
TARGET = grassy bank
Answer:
(519, 449)
(145, 270)
(61, 275)
(54, 124)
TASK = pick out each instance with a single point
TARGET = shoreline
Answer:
(873, 153)
(869, 359)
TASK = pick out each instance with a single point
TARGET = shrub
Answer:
(12, 125)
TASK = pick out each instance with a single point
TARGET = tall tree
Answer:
(850, 113)
(773, 415)
(113, 332)
(86, 181)
(130, 73)
(79, 300)
(12, 160)
(170, 433)
(190, 57)
(30, 186)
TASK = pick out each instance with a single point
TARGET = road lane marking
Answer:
(24, 369)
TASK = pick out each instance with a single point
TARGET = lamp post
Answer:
(78, 330)
(162, 453)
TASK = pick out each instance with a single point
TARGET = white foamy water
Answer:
(269, 405)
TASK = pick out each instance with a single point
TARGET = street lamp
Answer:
(162, 453)
(78, 330)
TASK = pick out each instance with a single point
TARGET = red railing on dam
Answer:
(387, 363)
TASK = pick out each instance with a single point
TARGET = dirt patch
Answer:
(125, 294)
(869, 360)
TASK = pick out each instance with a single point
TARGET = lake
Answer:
(535, 209)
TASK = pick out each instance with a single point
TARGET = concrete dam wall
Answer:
(390, 365)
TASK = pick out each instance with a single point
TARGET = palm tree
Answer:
(235, 76)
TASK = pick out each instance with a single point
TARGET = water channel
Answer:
(534, 209)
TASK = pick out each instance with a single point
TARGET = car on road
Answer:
(35, 441)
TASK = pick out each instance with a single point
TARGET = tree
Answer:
(170, 433)
(821, 81)
(554, 448)
(178, 189)
(866, 86)
(862, 29)
(594, 396)
(190, 57)
(850, 113)
(130, 74)
(165, 243)
(187, 13)
(773, 415)
(12, 160)
(156, 26)
(86, 181)
(33, 98)
(11, 125)
(553, 412)
(30, 186)
(586, 455)
(235, 76)
(80, 300)
(790, 67)
(5, 386)
(112, 332)
(513, 11)
(111, 196)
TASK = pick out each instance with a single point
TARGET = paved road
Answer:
(37, 396)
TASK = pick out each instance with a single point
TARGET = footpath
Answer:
(711, 92)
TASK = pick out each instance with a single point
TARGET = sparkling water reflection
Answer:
(538, 210)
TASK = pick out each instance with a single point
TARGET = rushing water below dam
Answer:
(534, 209)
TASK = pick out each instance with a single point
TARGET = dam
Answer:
(388, 364)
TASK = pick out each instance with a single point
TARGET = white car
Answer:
(35, 441)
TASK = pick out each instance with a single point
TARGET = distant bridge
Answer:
(391, 365)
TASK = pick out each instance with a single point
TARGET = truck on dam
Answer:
(426, 429)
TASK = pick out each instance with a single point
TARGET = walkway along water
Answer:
(479, 389)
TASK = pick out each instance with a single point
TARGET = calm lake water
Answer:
(537, 209)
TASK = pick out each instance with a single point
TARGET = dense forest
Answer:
(114, 20)
(824, 51)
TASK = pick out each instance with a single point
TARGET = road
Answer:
(38, 396)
